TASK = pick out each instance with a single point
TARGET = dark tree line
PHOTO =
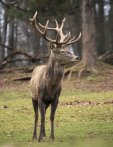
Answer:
(92, 17)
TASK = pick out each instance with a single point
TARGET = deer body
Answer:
(46, 88)
(46, 79)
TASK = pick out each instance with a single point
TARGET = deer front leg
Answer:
(35, 106)
(52, 116)
(44, 134)
(42, 127)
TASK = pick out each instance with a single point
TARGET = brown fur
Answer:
(48, 76)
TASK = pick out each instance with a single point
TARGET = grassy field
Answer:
(84, 116)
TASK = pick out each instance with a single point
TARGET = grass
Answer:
(79, 124)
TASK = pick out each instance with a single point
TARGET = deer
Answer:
(46, 80)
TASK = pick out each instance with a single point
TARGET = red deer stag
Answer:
(46, 79)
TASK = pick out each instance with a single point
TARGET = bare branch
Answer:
(9, 58)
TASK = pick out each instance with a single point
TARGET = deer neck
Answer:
(54, 70)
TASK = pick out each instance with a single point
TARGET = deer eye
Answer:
(68, 52)
(62, 52)
(52, 46)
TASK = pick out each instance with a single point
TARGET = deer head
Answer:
(59, 46)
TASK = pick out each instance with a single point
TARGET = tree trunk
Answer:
(11, 36)
(88, 35)
(15, 33)
(110, 27)
(100, 28)
(3, 35)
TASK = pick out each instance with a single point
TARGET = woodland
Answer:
(85, 112)
(21, 46)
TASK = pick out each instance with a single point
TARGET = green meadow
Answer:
(84, 116)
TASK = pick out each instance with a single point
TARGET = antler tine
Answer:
(34, 24)
(73, 40)
(57, 26)
(55, 29)
(67, 40)
(68, 37)
(64, 38)
(69, 34)
(34, 17)
(44, 34)
(46, 26)
(62, 25)
(41, 25)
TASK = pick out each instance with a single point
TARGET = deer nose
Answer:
(77, 58)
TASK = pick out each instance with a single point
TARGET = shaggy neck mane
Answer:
(54, 70)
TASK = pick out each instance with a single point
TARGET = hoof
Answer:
(41, 139)
(34, 137)
(44, 138)
(51, 139)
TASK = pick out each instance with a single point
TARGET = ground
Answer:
(84, 116)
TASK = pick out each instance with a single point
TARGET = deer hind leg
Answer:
(35, 106)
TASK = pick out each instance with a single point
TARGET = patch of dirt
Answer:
(3, 83)
(4, 107)
(85, 103)
(108, 102)
(79, 103)
(102, 82)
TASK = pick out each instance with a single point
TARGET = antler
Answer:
(73, 40)
(34, 24)
(64, 39)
